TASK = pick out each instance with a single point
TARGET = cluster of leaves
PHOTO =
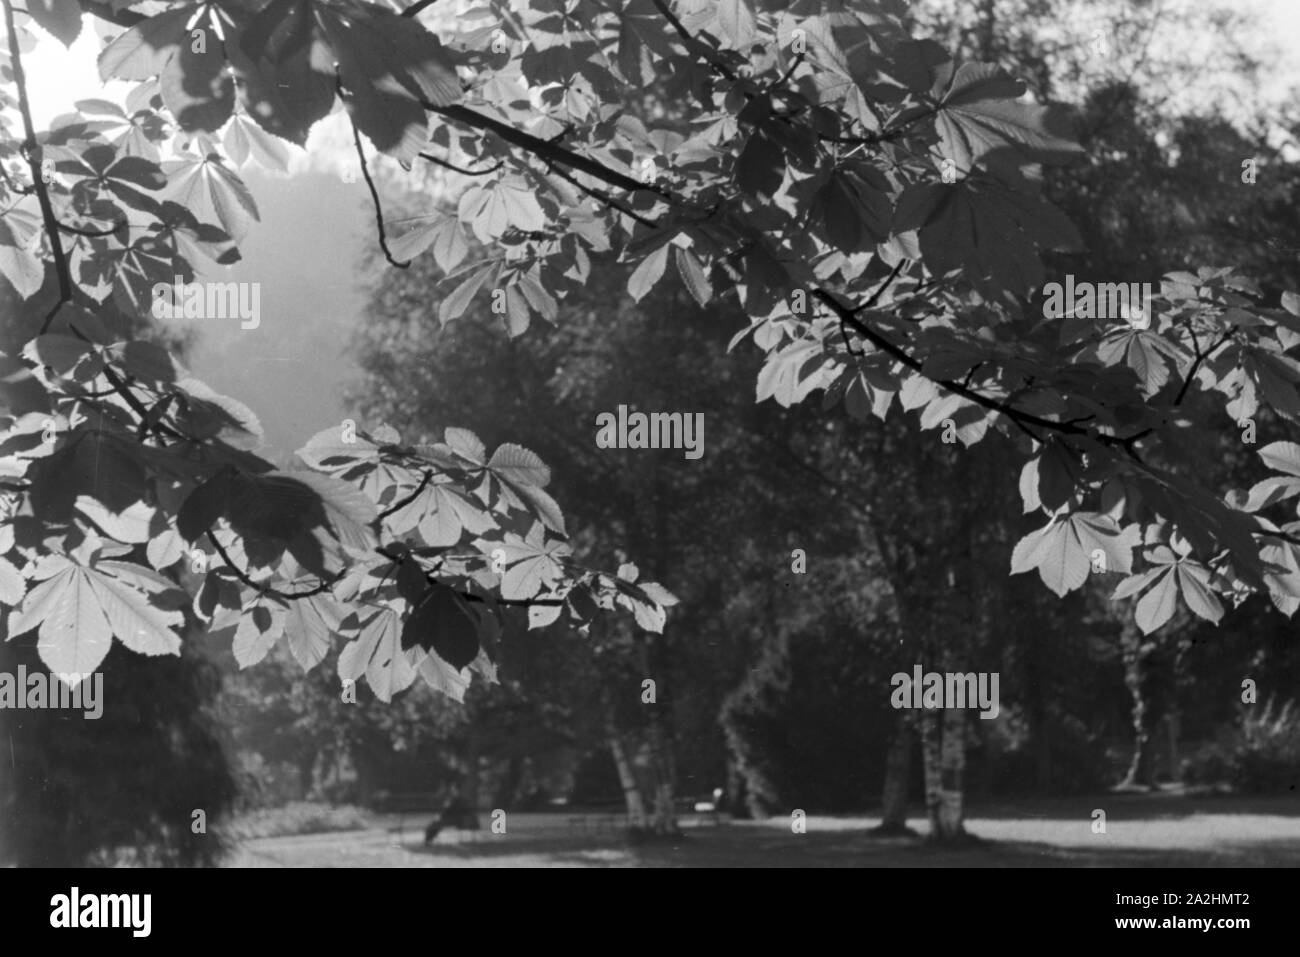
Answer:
(133, 501)
(876, 207)
(127, 469)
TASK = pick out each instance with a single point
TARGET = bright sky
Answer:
(314, 226)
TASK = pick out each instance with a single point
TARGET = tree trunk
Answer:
(898, 766)
(632, 797)
(951, 772)
(1174, 722)
(943, 743)
(661, 766)
(1140, 773)
(663, 771)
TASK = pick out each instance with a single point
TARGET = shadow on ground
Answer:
(1141, 831)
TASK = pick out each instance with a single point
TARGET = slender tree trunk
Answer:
(951, 773)
(1140, 771)
(632, 797)
(898, 766)
(1174, 722)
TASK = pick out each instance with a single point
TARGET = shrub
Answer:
(1260, 755)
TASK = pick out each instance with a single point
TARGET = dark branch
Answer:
(544, 149)
(1196, 363)
(33, 164)
(470, 596)
(416, 7)
(398, 506)
(374, 197)
(1018, 416)
(460, 169)
(693, 43)
(263, 588)
(601, 196)
(77, 231)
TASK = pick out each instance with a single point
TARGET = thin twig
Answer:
(460, 169)
(264, 588)
(397, 507)
(370, 184)
(77, 231)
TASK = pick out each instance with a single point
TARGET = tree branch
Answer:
(263, 588)
(601, 196)
(374, 195)
(544, 149)
(1196, 363)
(416, 7)
(460, 169)
(1018, 416)
(398, 506)
(77, 231)
(693, 42)
(29, 148)
(470, 596)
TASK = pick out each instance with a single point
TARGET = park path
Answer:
(1198, 839)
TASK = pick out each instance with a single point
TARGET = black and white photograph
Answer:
(682, 435)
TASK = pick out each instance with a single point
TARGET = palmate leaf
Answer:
(642, 42)
(1172, 575)
(444, 623)
(532, 563)
(981, 227)
(211, 192)
(1064, 550)
(491, 209)
(979, 113)
(81, 605)
(377, 652)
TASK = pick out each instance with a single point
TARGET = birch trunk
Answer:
(636, 813)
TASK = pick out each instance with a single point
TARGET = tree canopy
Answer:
(876, 209)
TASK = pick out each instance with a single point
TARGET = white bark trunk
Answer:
(636, 814)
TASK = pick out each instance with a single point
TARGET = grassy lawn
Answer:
(1141, 831)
